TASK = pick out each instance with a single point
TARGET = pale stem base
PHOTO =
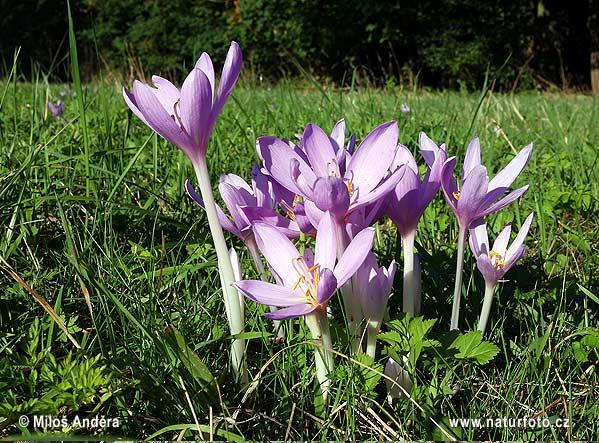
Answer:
(486, 309)
(409, 283)
(318, 324)
(372, 331)
(457, 290)
(231, 297)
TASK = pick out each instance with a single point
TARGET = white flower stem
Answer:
(353, 310)
(318, 324)
(231, 298)
(253, 248)
(457, 290)
(409, 277)
(488, 301)
(417, 285)
(372, 331)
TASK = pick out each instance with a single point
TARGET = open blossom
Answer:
(493, 263)
(312, 171)
(247, 204)
(308, 281)
(478, 197)
(405, 108)
(406, 204)
(56, 109)
(186, 117)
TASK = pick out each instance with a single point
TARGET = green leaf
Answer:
(588, 293)
(471, 347)
(580, 354)
(198, 370)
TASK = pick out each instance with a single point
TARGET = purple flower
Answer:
(309, 281)
(405, 108)
(494, 263)
(56, 109)
(313, 171)
(478, 196)
(374, 286)
(186, 117)
(411, 196)
(247, 204)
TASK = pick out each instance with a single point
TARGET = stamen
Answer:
(297, 199)
(333, 168)
(497, 260)
(350, 187)
(456, 195)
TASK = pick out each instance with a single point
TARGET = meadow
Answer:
(96, 222)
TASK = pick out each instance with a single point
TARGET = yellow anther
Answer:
(456, 195)
(296, 199)
(497, 260)
(291, 215)
(350, 187)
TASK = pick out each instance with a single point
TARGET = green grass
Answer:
(127, 239)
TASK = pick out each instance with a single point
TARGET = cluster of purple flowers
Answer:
(327, 187)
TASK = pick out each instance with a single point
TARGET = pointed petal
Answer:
(290, 312)
(269, 216)
(269, 294)
(277, 156)
(472, 158)
(479, 239)
(320, 151)
(519, 240)
(278, 251)
(403, 203)
(507, 175)
(205, 65)
(516, 255)
(472, 195)
(338, 135)
(195, 107)
(261, 187)
(403, 156)
(449, 184)
(354, 255)
(240, 185)
(160, 121)
(502, 240)
(228, 78)
(129, 99)
(167, 93)
(327, 286)
(428, 149)
(224, 221)
(514, 195)
(380, 192)
(331, 194)
(313, 214)
(326, 242)
(488, 271)
(234, 201)
(373, 158)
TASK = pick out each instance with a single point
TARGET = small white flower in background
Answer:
(405, 108)
(497, 131)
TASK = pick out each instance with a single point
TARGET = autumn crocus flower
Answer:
(313, 172)
(374, 286)
(494, 262)
(306, 285)
(406, 204)
(56, 109)
(186, 118)
(477, 198)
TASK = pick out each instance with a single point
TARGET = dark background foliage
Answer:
(436, 43)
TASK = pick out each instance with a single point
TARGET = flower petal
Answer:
(327, 285)
(381, 191)
(479, 239)
(159, 120)
(167, 93)
(488, 271)
(320, 151)
(278, 251)
(354, 255)
(507, 175)
(403, 156)
(429, 149)
(234, 201)
(472, 158)
(195, 108)
(373, 157)
(471, 196)
(519, 240)
(228, 78)
(502, 240)
(514, 195)
(290, 312)
(331, 194)
(277, 156)
(222, 217)
(205, 65)
(338, 135)
(448, 183)
(269, 294)
(325, 251)
(129, 99)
